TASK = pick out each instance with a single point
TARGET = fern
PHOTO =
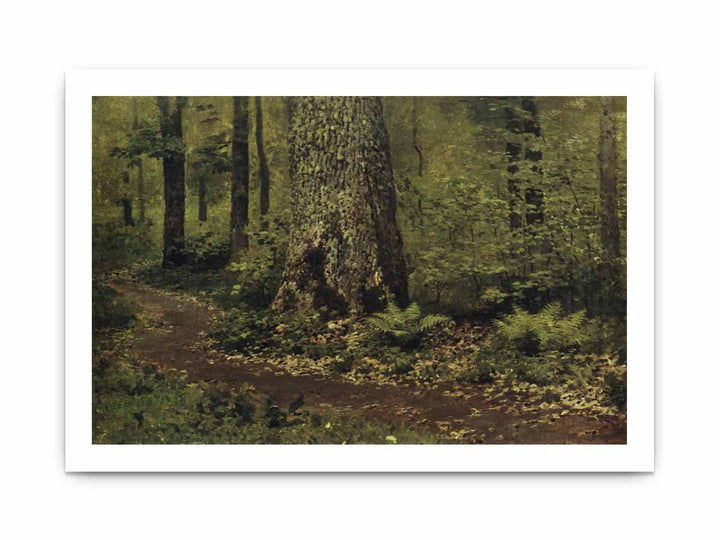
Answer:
(546, 330)
(405, 326)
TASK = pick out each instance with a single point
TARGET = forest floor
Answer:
(173, 334)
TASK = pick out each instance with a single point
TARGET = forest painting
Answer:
(359, 270)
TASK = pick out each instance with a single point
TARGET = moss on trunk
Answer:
(345, 250)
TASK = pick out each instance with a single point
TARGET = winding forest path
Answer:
(174, 336)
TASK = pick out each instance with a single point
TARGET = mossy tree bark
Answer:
(345, 250)
(174, 179)
(240, 178)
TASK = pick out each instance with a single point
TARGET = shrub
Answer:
(260, 271)
(405, 327)
(114, 244)
(207, 251)
(243, 330)
(248, 330)
(616, 390)
(109, 310)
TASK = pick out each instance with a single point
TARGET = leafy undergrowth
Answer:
(523, 363)
(546, 362)
(109, 310)
(134, 405)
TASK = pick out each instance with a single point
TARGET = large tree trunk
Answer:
(174, 180)
(345, 250)
(610, 229)
(264, 171)
(240, 178)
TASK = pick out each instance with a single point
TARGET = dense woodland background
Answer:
(481, 222)
(435, 240)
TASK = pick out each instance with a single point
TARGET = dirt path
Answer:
(175, 335)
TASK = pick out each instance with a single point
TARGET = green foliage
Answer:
(150, 406)
(260, 270)
(109, 310)
(251, 331)
(616, 390)
(538, 348)
(207, 251)
(531, 334)
(405, 326)
(244, 330)
(113, 244)
(149, 142)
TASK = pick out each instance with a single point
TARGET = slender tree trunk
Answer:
(127, 201)
(174, 180)
(240, 178)
(140, 171)
(415, 143)
(513, 150)
(141, 191)
(202, 198)
(264, 171)
(610, 269)
(610, 229)
(521, 151)
(345, 249)
(534, 196)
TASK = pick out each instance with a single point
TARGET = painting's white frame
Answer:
(636, 455)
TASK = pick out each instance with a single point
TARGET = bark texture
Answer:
(610, 229)
(174, 179)
(240, 178)
(263, 169)
(345, 249)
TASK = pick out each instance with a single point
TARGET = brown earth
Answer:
(175, 337)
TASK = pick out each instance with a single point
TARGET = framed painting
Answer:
(359, 270)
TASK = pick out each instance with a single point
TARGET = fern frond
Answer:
(431, 321)
(404, 325)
